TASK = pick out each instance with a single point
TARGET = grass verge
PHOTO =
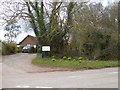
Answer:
(75, 64)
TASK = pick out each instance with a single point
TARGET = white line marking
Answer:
(37, 87)
(29, 86)
(46, 87)
(42, 87)
(26, 86)
(18, 86)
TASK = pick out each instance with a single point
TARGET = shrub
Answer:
(39, 50)
(19, 49)
(60, 59)
(80, 58)
(80, 61)
(32, 50)
(69, 58)
(53, 59)
(74, 59)
(9, 48)
(64, 57)
(53, 56)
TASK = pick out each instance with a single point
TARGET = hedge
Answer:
(9, 48)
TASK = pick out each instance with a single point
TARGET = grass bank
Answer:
(75, 64)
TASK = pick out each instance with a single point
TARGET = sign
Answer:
(45, 48)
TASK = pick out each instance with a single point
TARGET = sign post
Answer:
(44, 50)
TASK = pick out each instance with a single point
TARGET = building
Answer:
(28, 41)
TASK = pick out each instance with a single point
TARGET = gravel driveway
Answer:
(21, 63)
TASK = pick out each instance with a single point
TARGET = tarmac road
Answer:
(18, 74)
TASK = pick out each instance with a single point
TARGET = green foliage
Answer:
(93, 64)
(53, 56)
(69, 58)
(80, 58)
(9, 48)
(94, 34)
(88, 30)
(39, 50)
(53, 59)
(95, 43)
(19, 49)
(32, 50)
(51, 30)
(80, 61)
(74, 59)
(64, 57)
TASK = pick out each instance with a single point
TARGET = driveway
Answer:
(18, 72)
(21, 63)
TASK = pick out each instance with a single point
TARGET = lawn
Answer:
(75, 64)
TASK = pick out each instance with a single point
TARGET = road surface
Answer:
(0, 71)
(18, 72)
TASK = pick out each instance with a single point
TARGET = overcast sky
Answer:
(24, 34)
